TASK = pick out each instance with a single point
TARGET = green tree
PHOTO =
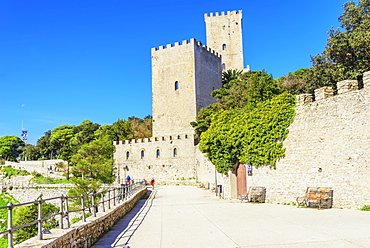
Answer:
(11, 147)
(94, 160)
(141, 128)
(45, 147)
(347, 53)
(60, 138)
(248, 89)
(122, 130)
(230, 75)
(294, 82)
(252, 136)
(84, 133)
(31, 152)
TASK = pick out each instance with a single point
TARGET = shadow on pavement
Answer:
(125, 228)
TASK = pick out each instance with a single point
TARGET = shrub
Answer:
(10, 171)
(365, 208)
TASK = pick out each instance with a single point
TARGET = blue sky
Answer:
(66, 61)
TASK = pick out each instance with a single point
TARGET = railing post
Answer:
(61, 212)
(108, 198)
(39, 220)
(10, 225)
(67, 212)
(102, 197)
(93, 204)
(83, 208)
(114, 196)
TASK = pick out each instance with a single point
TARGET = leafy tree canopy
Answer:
(252, 136)
(11, 147)
(347, 53)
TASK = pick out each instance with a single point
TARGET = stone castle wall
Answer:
(328, 145)
(140, 160)
(183, 77)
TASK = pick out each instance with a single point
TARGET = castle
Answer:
(183, 77)
(328, 142)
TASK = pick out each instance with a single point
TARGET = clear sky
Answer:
(66, 61)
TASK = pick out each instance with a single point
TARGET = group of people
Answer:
(129, 181)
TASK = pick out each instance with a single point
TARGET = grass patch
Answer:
(49, 180)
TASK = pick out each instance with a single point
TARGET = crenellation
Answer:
(346, 86)
(177, 44)
(323, 93)
(222, 13)
(304, 99)
(366, 79)
(168, 45)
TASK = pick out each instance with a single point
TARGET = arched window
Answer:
(223, 67)
(158, 153)
(175, 152)
(224, 47)
(142, 154)
(176, 85)
(127, 155)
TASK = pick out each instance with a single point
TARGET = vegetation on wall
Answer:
(238, 91)
(249, 135)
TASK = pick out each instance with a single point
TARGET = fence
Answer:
(88, 202)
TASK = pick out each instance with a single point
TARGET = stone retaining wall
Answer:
(84, 234)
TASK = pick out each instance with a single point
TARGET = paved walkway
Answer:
(185, 216)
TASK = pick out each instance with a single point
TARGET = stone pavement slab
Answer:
(186, 216)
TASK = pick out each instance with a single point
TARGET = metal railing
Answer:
(106, 198)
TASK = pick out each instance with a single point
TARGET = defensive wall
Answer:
(85, 234)
(164, 158)
(328, 145)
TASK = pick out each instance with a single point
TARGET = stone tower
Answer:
(224, 34)
(183, 77)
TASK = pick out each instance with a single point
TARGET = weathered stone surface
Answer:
(323, 93)
(328, 146)
(347, 85)
(303, 99)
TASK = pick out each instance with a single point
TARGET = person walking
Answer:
(152, 183)
(128, 179)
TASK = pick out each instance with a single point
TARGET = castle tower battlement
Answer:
(224, 34)
(186, 42)
(222, 13)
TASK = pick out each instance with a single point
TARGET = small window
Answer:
(158, 153)
(224, 47)
(127, 155)
(142, 154)
(176, 85)
(175, 152)
(223, 67)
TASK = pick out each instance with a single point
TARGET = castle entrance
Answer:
(241, 179)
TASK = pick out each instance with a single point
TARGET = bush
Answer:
(365, 208)
(5, 198)
(10, 171)
(29, 213)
